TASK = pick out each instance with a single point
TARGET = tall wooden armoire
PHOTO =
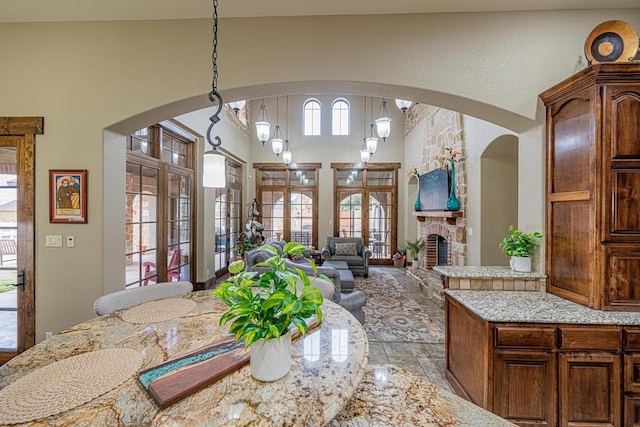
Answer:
(593, 187)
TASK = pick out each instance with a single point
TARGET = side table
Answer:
(317, 257)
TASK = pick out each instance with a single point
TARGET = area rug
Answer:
(391, 315)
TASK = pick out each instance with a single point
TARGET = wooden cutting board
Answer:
(178, 378)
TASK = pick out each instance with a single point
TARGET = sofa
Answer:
(350, 250)
(352, 302)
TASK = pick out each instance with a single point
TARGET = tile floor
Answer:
(426, 360)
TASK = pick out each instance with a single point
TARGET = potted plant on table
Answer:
(264, 307)
(520, 247)
(414, 247)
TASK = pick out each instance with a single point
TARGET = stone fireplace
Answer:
(445, 237)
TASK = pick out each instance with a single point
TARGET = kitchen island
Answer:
(537, 359)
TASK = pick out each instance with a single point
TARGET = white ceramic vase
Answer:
(521, 264)
(271, 359)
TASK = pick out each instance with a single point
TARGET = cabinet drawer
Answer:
(632, 372)
(512, 336)
(632, 340)
(603, 338)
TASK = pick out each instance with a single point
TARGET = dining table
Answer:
(42, 386)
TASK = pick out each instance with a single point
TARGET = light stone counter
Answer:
(482, 272)
(537, 307)
(390, 396)
(496, 278)
(327, 367)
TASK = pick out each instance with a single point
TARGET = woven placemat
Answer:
(66, 384)
(159, 310)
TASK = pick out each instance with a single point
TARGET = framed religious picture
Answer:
(68, 196)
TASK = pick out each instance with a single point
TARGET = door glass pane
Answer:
(273, 215)
(302, 217)
(178, 227)
(8, 250)
(349, 178)
(220, 226)
(350, 214)
(380, 217)
(377, 178)
(141, 224)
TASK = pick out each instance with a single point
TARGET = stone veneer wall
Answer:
(444, 130)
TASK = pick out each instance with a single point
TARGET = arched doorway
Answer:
(499, 196)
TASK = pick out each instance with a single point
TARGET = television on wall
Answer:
(434, 190)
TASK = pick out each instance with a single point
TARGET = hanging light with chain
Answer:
(286, 152)
(383, 124)
(214, 162)
(365, 155)
(277, 141)
(263, 126)
(371, 143)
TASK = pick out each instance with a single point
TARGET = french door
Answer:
(228, 217)
(159, 223)
(289, 202)
(17, 281)
(366, 206)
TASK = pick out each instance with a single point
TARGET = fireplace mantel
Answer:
(450, 216)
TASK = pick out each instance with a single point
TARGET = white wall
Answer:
(88, 77)
(478, 134)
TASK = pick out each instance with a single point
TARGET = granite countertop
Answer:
(482, 272)
(390, 396)
(327, 366)
(537, 307)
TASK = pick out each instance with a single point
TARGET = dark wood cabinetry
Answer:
(593, 187)
(545, 374)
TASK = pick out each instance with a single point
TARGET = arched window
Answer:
(340, 117)
(312, 117)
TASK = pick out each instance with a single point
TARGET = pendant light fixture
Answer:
(237, 105)
(263, 126)
(364, 153)
(403, 105)
(286, 152)
(371, 143)
(277, 142)
(383, 124)
(214, 162)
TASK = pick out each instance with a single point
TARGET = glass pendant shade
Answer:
(383, 127)
(263, 130)
(276, 145)
(213, 169)
(403, 105)
(364, 155)
(371, 144)
(286, 153)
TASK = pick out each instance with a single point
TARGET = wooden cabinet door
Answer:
(525, 387)
(632, 411)
(590, 389)
(621, 160)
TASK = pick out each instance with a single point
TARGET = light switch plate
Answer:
(53, 241)
(71, 241)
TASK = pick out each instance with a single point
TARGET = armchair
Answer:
(352, 302)
(350, 250)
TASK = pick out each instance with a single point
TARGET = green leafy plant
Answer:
(414, 247)
(517, 243)
(265, 306)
